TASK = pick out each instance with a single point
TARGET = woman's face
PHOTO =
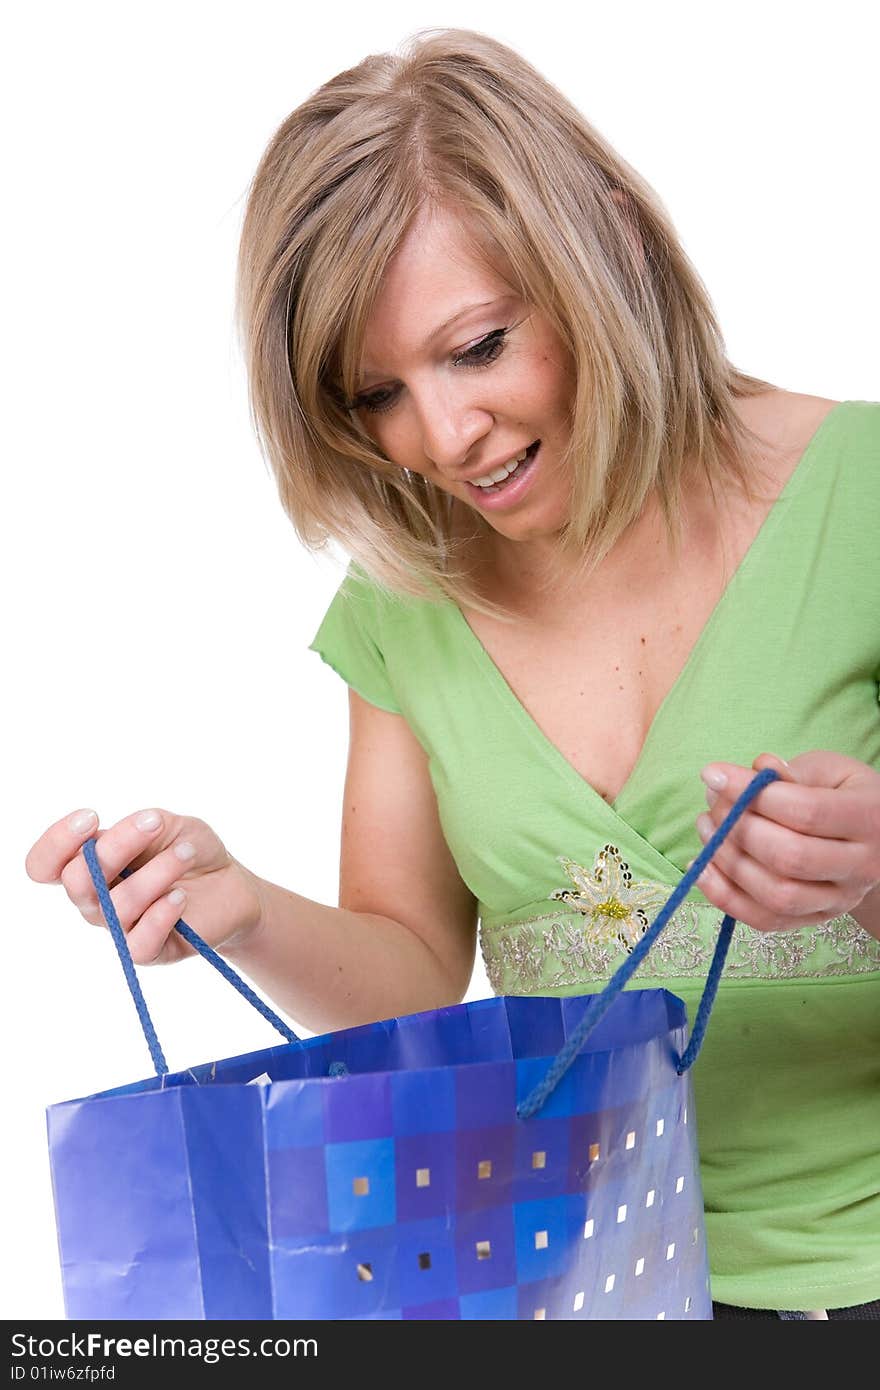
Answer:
(459, 377)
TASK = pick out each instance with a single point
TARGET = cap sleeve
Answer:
(349, 640)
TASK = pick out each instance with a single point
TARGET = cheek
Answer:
(383, 436)
(528, 389)
(397, 447)
(550, 380)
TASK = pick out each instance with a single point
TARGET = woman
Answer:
(590, 560)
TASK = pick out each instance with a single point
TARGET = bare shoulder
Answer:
(785, 419)
(810, 411)
(783, 423)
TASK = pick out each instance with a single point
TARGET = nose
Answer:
(451, 429)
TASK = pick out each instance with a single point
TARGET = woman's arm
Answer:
(403, 937)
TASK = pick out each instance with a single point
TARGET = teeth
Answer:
(500, 473)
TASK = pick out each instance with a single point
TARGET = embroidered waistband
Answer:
(605, 912)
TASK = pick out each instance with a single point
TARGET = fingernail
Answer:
(775, 757)
(715, 779)
(711, 797)
(148, 820)
(184, 850)
(80, 820)
(704, 827)
(177, 896)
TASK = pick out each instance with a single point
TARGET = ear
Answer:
(624, 203)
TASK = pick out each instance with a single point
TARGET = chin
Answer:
(529, 528)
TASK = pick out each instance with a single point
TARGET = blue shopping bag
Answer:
(507, 1158)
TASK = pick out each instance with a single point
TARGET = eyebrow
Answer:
(364, 379)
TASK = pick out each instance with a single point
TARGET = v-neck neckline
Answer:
(758, 543)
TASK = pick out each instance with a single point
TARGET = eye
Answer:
(486, 350)
(480, 355)
(379, 401)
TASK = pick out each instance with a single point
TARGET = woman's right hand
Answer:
(222, 900)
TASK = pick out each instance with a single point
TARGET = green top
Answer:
(787, 1086)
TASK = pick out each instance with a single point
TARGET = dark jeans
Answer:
(861, 1312)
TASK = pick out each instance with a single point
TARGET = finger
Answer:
(783, 770)
(58, 845)
(118, 848)
(150, 933)
(827, 768)
(836, 813)
(724, 801)
(786, 853)
(133, 897)
(764, 760)
(783, 899)
(728, 897)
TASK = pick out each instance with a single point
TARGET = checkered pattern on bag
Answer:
(415, 1195)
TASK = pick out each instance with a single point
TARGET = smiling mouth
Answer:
(517, 472)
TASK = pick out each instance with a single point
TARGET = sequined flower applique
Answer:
(617, 909)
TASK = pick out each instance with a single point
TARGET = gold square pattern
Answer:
(484, 1168)
(361, 1187)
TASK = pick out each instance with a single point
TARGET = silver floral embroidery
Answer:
(606, 912)
(850, 947)
(777, 953)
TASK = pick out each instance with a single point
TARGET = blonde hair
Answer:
(458, 119)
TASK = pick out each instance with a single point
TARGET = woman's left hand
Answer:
(806, 850)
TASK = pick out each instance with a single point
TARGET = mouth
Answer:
(512, 487)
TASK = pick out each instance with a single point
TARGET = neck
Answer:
(531, 578)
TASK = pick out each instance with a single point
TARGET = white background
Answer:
(158, 605)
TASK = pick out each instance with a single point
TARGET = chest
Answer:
(593, 676)
(592, 671)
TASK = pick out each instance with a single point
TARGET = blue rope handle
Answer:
(594, 1012)
(189, 935)
(601, 1003)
